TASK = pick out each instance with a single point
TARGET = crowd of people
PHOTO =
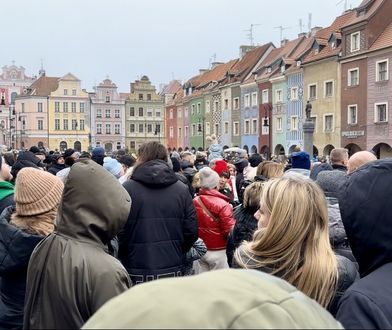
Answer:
(194, 239)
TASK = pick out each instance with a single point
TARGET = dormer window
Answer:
(333, 45)
(355, 41)
(316, 51)
(269, 69)
(299, 63)
(282, 68)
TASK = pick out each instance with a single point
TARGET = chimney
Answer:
(244, 49)
(215, 64)
(201, 71)
(303, 34)
(284, 42)
(314, 30)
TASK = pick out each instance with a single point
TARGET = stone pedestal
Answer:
(308, 128)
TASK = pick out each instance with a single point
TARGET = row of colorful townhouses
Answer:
(257, 101)
(56, 113)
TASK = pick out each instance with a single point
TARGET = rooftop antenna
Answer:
(345, 4)
(301, 25)
(250, 33)
(281, 28)
(212, 60)
(310, 22)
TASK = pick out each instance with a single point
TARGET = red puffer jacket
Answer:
(214, 233)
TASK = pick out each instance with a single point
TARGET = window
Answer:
(355, 41)
(99, 113)
(74, 92)
(81, 107)
(254, 99)
(265, 96)
(65, 124)
(107, 99)
(193, 130)
(236, 103)
(186, 131)
(74, 124)
(328, 89)
(73, 107)
(131, 112)
(149, 112)
(226, 103)
(157, 112)
(294, 123)
(382, 71)
(208, 128)
(180, 132)
(192, 109)
(186, 112)
(328, 123)
(132, 128)
(132, 145)
(65, 91)
(107, 113)
(81, 125)
(179, 113)
(278, 96)
(254, 126)
(39, 107)
(226, 127)
(279, 124)
(141, 128)
(312, 92)
(236, 128)
(148, 97)
(381, 115)
(65, 106)
(117, 113)
(246, 127)
(56, 106)
(294, 93)
(116, 128)
(247, 100)
(40, 124)
(171, 114)
(352, 114)
(171, 132)
(265, 128)
(353, 77)
(149, 128)
(158, 128)
(141, 112)
(208, 105)
(57, 124)
(118, 145)
(216, 105)
(198, 108)
(140, 97)
(216, 129)
(108, 129)
(99, 128)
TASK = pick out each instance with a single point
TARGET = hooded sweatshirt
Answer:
(6, 194)
(366, 214)
(70, 274)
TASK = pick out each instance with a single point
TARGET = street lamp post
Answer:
(201, 129)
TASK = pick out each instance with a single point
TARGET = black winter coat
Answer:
(16, 247)
(367, 218)
(161, 226)
(55, 168)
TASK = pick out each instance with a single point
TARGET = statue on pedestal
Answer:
(308, 110)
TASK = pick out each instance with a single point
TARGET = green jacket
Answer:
(225, 299)
(70, 275)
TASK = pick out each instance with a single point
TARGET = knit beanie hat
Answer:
(255, 160)
(220, 167)
(112, 165)
(98, 151)
(36, 192)
(300, 160)
(209, 179)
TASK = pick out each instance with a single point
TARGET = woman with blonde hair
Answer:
(292, 241)
(268, 170)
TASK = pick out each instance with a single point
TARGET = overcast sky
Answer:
(126, 39)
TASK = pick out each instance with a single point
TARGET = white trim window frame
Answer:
(246, 126)
(247, 100)
(236, 103)
(355, 45)
(332, 128)
(279, 95)
(254, 99)
(350, 81)
(386, 71)
(312, 97)
(279, 124)
(352, 118)
(294, 93)
(328, 93)
(376, 112)
(294, 123)
(255, 126)
(236, 128)
(265, 96)
(226, 127)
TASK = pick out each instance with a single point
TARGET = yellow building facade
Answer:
(69, 115)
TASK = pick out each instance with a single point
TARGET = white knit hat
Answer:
(209, 179)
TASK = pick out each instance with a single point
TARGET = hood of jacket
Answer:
(94, 206)
(366, 214)
(6, 189)
(16, 245)
(226, 299)
(215, 148)
(241, 164)
(155, 173)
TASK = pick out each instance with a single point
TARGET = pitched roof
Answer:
(384, 40)
(43, 86)
(369, 7)
(124, 96)
(172, 87)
